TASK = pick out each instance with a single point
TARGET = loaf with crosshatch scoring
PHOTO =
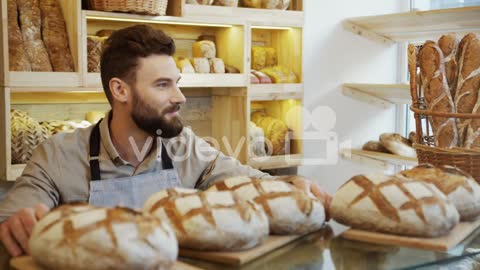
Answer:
(215, 221)
(389, 204)
(81, 236)
(289, 209)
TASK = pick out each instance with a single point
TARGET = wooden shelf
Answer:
(383, 94)
(191, 80)
(415, 25)
(258, 92)
(257, 17)
(360, 155)
(45, 79)
(276, 162)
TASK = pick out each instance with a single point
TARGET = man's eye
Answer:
(162, 85)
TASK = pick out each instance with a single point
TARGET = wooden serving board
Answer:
(27, 263)
(444, 243)
(241, 257)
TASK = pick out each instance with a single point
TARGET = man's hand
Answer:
(16, 230)
(309, 186)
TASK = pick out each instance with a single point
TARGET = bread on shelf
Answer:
(184, 65)
(275, 132)
(94, 51)
(398, 145)
(216, 221)
(217, 65)
(226, 3)
(201, 65)
(449, 44)
(375, 146)
(200, 2)
(262, 77)
(204, 48)
(18, 60)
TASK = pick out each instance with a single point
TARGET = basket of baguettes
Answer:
(445, 85)
(148, 7)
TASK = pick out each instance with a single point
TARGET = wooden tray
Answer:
(444, 243)
(241, 257)
(27, 263)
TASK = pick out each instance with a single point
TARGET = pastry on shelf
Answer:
(18, 60)
(257, 141)
(184, 65)
(268, 4)
(259, 57)
(389, 204)
(226, 3)
(459, 187)
(275, 132)
(375, 146)
(200, 2)
(254, 79)
(201, 65)
(215, 221)
(204, 48)
(72, 236)
(280, 74)
(262, 77)
(289, 209)
(26, 135)
(398, 145)
(94, 51)
(217, 65)
(412, 137)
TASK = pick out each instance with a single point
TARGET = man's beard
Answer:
(147, 119)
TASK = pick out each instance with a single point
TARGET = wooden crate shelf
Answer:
(275, 162)
(383, 94)
(415, 25)
(362, 155)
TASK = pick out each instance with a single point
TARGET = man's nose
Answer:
(178, 97)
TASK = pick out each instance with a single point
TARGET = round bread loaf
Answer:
(82, 236)
(289, 209)
(210, 220)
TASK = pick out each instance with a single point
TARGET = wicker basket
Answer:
(146, 7)
(465, 159)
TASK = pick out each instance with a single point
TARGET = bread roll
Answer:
(204, 48)
(94, 51)
(226, 3)
(210, 220)
(289, 210)
(216, 65)
(275, 131)
(254, 79)
(412, 137)
(257, 140)
(437, 95)
(391, 205)
(271, 57)
(262, 77)
(77, 237)
(30, 23)
(375, 147)
(201, 65)
(200, 2)
(275, 4)
(259, 58)
(17, 60)
(468, 88)
(449, 44)
(280, 74)
(184, 65)
(55, 36)
(397, 144)
(252, 3)
(459, 187)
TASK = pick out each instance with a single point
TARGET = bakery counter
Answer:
(327, 250)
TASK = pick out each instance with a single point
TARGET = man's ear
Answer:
(119, 89)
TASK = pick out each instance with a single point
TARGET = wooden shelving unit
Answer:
(382, 94)
(56, 94)
(415, 25)
(361, 155)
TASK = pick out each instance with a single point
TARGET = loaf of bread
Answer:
(275, 132)
(55, 36)
(94, 52)
(18, 60)
(271, 57)
(449, 44)
(217, 221)
(30, 23)
(200, 2)
(389, 204)
(216, 65)
(231, 69)
(104, 32)
(437, 95)
(289, 210)
(184, 65)
(397, 144)
(201, 65)
(467, 90)
(280, 74)
(257, 140)
(252, 3)
(75, 236)
(259, 58)
(204, 48)
(254, 79)
(375, 147)
(459, 187)
(412, 137)
(275, 4)
(226, 3)
(262, 77)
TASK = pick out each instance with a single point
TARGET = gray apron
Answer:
(127, 191)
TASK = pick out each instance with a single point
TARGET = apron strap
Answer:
(95, 151)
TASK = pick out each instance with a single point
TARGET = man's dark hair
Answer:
(123, 49)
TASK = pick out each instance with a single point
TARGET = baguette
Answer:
(448, 44)
(18, 60)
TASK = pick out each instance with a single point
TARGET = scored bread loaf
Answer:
(30, 23)
(459, 187)
(467, 100)
(437, 95)
(397, 144)
(76, 236)
(388, 204)
(216, 65)
(375, 147)
(17, 60)
(55, 36)
(217, 221)
(289, 209)
(449, 44)
(204, 48)
(201, 65)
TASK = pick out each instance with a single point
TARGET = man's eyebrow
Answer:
(166, 80)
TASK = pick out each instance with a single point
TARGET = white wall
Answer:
(333, 56)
